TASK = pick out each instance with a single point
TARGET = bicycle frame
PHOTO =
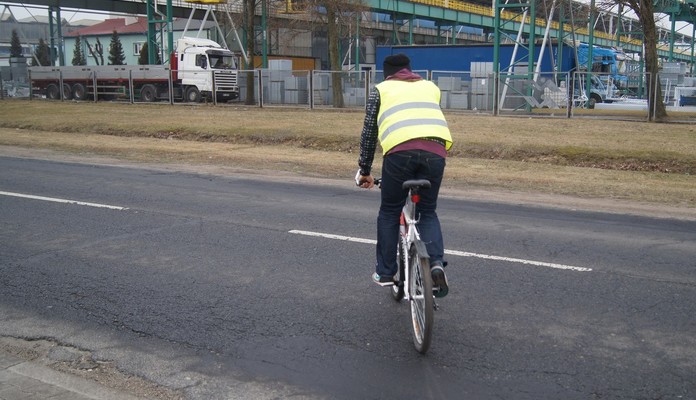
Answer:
(410, 235)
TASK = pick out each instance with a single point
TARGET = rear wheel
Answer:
(421, 292)
(80, 92)
(52, 92)
(148, 93)
(67, 92)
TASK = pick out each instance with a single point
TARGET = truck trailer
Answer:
(199, 68)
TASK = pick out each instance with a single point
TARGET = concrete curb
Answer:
(20, 379)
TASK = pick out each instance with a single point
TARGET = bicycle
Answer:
(413, 282)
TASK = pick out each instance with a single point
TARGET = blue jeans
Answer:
(397, 168)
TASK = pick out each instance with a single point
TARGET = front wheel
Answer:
(594, 99)
(421, 292)
(193, 95)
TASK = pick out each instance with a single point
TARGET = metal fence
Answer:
(545, 93)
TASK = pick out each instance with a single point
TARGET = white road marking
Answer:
(66, 201)
(451, 252)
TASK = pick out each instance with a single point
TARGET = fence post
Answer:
(213, 89)
(260, 86)
(170, 85)
(496, 99)
(31, 86)
(131, 87)
(367, 87)
(311, 89)
(94, 84)
(652, 111)
(60, 83)
(570, 91)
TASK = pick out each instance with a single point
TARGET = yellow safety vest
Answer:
(410, 110)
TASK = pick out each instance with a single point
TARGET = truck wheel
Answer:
(67, 92)
(594, 99)
(148, 93)
(193, 95)
(52, 92)
(79, 92)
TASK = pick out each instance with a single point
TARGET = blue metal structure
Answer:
(460, 57)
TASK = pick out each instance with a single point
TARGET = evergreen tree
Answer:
(144, 59)
(42, 56)
(15, 45)
(78, 55)
(116, 54)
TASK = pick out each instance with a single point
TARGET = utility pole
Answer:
(590, 46)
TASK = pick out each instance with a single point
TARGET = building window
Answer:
(137, 47)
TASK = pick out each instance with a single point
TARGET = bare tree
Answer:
(645, 11)
(336, 15)
(249, 15)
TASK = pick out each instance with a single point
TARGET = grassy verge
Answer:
(636, 161)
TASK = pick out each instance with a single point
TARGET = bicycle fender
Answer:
(421, 249)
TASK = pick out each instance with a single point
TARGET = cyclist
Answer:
(404, 113)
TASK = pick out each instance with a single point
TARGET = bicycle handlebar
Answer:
(376, 181)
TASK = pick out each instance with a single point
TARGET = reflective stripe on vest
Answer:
(410, 110)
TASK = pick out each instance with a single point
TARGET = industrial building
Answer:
(293, 30)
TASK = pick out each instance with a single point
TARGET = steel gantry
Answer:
(463, 13)
(444, 12)
(678, 10)
(158, 22)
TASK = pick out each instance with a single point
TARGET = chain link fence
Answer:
(479, 91)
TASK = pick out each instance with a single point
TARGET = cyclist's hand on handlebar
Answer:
(364, 181)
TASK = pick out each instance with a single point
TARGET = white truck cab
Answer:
(205, 67)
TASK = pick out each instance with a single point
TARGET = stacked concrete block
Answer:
(455, 92)
(671, 75)
(481, 85)
(274, 79)
(354, 96)
(459, 101)
(481, 93)
(322, 94)
(296, 90)
(449, 84)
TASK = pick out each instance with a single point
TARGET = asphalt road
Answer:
(202, 283)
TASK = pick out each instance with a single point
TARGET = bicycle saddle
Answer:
(416, 183)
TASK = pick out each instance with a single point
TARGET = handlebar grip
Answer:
(376, 181)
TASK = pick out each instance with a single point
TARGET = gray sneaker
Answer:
(440, 288)
(383, 280)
